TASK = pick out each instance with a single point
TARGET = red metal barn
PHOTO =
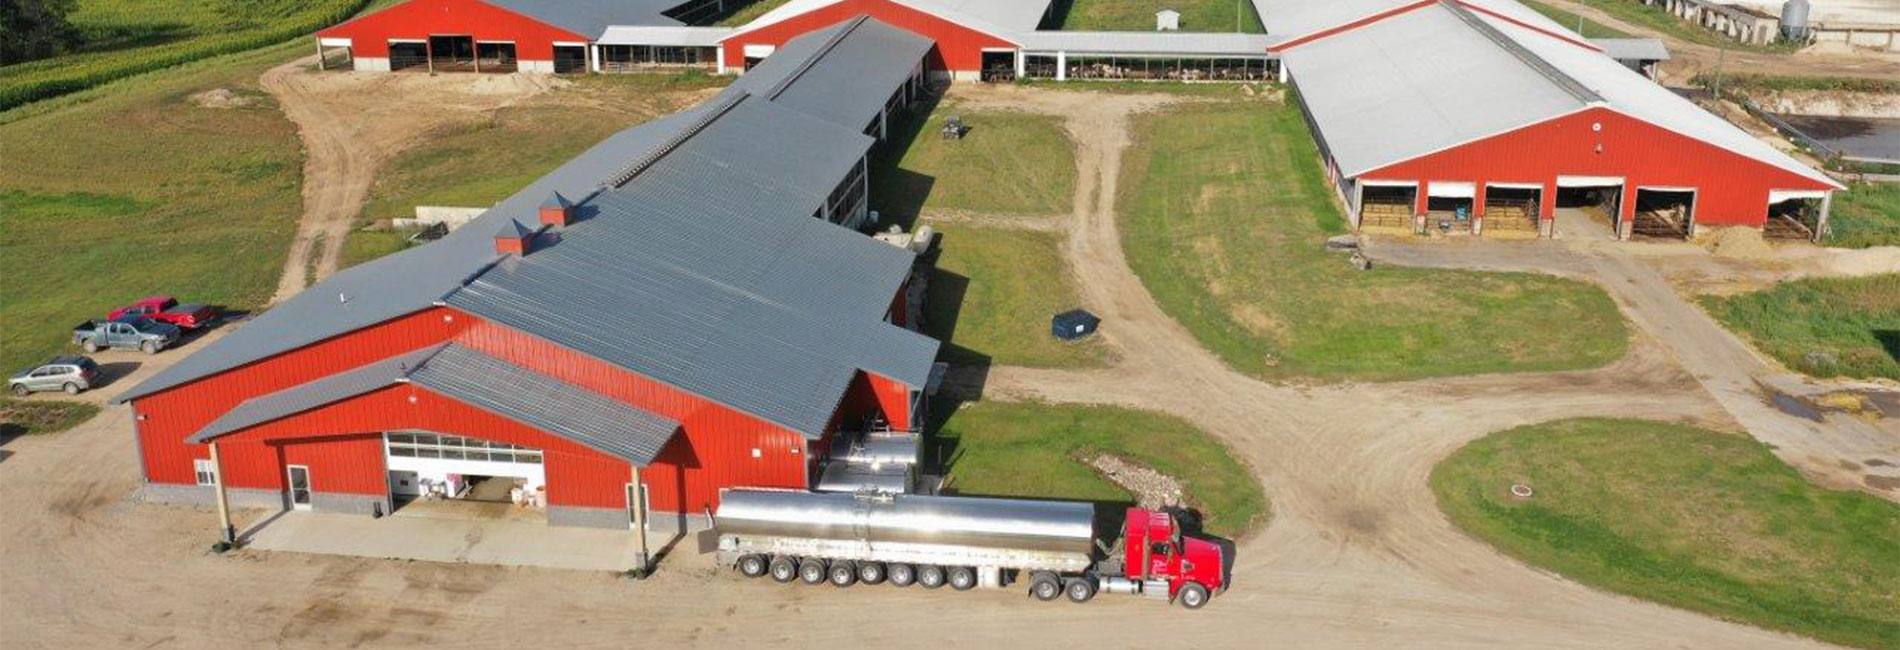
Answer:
(500, 35)
(663, 309)
(960, 47)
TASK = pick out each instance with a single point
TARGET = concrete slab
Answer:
(440, 539)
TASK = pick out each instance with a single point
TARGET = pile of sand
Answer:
(221, 98)
(1737, 243)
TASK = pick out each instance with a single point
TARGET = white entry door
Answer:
(299, 487)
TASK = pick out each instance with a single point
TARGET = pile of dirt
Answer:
(1738, 243)
(222, 98)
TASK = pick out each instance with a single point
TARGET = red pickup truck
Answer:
(164, 309)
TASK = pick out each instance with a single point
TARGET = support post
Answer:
(477, 45)
(1022, 65)
(428, 54)
(227, 533)
(637, 503)
(1820, 224)
(1062, 65)
(320, 55)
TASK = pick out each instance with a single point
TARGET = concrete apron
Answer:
(466, 540)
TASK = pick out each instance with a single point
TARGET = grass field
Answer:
(1139, 15)
(1867, 214)
(1008, 163)
(20, 417)
(1659, 19)
(1853, 321)
(750, 12)
(1705, 521)
(127, 37)
(1225, 214)
(993, 295)
(480, 164)
(1588, 28)
(1038, 450)
(140, 191)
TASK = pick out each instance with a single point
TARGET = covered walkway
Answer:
(474, 540)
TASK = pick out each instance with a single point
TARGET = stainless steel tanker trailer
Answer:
(964, 542)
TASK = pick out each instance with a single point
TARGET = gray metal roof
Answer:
(313, 394)
(591, 18)
(664, 35)
(1633, 49)
(714, 278)
(531, 398)
(593, 420)
(843, 73)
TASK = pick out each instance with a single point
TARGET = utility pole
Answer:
(1720, 57)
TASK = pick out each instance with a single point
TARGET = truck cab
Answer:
(1155, 551)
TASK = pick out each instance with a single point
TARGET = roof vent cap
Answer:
(557, 210)
(513, 239)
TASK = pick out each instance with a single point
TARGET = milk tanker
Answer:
(964, 542)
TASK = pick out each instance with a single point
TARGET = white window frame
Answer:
(205, 471)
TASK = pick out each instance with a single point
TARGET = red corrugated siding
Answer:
(958, 48)
(418, 19)
(893, 398)
(1731, 189)
(172, 415)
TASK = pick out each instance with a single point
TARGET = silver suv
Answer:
(70, 372)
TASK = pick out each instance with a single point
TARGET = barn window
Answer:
(207, 473)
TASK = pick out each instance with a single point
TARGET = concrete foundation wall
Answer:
(372, 64)
(202, 495)
(536, 67)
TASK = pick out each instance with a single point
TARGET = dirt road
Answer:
(1689, 59)
(1357, 554)
(351, 124)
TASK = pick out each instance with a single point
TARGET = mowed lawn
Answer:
(1011, 163)
(1588, 28)
(1040, 451)
(139, 191)
(1690, 518)
(1867, 214)
(993, 295)
(120, 38)
(1139, 15)
(1225, 215)
(477, 165)
(1825, 327)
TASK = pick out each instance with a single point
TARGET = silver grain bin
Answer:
(1794, 20)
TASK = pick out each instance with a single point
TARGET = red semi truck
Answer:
(965, 542)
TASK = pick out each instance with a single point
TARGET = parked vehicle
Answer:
(68, 372)
(125, 332)
(166, 309)
(964, 542)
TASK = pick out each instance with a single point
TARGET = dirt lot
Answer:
(1690, 59)
(1357, 554)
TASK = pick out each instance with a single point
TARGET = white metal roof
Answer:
(1158, 43)
(1633, 49)
(664, 35)
(1416, 83)
(1292, 19)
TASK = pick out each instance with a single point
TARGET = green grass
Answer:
(479, 164)
(1854, 320)
(1690, 518)
(749, 13)
(1588, 28)
(1867, 214)
(139, 191)
(1038, 450)
(993, 294)
(1225, 213)
(1012, 163)
(128, 37)
(1139, 15)
(39, 416)
(1660, 20)
(1745, 81)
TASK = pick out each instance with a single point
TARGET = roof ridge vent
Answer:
(806, 65)
(718, 109)
(1563, 81)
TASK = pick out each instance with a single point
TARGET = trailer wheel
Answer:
(870, 573)
(1192, 595)
(784, 569)
(962, 578)
(930, 576)
(1045, 586)
(752, 566)
(903, 575)
(843, 574)
(1080, 590)
(811, 570)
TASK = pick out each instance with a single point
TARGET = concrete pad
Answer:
(436, 539)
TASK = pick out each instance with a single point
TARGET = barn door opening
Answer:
(1664, 213)
(1387, 207)
(299, 480)
(452, 53)
(1797, 216)
(1588, 206)
(408, 55)
(1511, 210)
